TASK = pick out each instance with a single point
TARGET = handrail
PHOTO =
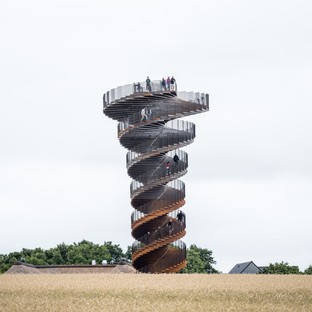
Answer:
(121, 92)
(167, 229)
(169, 199)
(136, 119)
(157, 136)
(179, 256)
(176, 184)
(133, 157)
(139, 87)
(149, 170)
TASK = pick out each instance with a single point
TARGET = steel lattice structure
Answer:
(148, 127)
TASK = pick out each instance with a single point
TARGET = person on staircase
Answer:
(168, 170)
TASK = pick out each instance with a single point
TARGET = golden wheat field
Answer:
(140, 292)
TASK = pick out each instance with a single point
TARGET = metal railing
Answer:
(137, 87)
(171, 228)
(122, 92)
(154, 137)
(154, 86)
(133, 157)
(173, 192)
(177, 255)
(135, 186)
(154, 169)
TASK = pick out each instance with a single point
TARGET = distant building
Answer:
(246, 268)
(26, 268)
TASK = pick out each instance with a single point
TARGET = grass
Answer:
(146, 292)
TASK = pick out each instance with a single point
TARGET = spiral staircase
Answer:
(149, 128)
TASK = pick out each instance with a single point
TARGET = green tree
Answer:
(128, 253)
(8, 260)
(199, 260)
(281, 268)
(37, 257)
(26, 253)
(2, 263)
(308, 270)
(116, 253)
(85, 251)
(63, 253)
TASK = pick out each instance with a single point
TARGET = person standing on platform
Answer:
(168, 83)
(148, 84)
(163, 85)
(172, 84)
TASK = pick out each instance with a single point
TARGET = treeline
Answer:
(285, 268)
(77, 253)
(199, 260)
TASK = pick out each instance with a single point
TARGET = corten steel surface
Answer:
(149, 129)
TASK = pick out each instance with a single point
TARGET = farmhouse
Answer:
(25, 268)
(245, 268)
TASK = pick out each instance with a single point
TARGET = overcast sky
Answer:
(62, 170)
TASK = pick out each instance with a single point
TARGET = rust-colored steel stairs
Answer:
(148, 126)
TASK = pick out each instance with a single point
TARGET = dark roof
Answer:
(245, 267)
(26, 268)
(68, 265)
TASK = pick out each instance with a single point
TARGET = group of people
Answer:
(168, 84)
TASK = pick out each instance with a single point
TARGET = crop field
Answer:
(146, 292)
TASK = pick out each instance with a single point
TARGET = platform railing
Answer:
(137, 87)
(156, 86)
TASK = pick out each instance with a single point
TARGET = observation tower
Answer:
(148, 126)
